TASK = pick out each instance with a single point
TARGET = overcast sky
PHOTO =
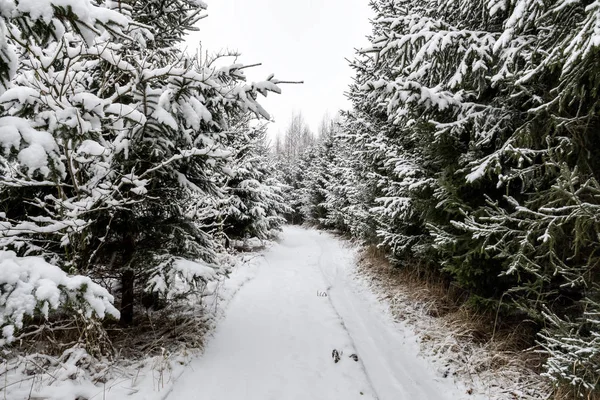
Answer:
(296, 40)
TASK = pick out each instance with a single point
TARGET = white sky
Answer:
(296, 40)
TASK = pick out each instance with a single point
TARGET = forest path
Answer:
(279, 332)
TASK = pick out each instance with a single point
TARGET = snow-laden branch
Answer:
(29, 286)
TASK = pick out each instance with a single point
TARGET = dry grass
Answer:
(103, 354)
(473, 344)
(153, 333)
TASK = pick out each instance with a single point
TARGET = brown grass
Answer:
(153, 333)
(159, 337)
(492, 352)
(446, 302)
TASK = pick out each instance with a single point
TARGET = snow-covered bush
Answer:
(175, 277)
(29, 287)
(573, 349)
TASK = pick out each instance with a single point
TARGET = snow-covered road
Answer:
(280, 330)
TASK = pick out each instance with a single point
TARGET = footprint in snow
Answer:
(337, 356)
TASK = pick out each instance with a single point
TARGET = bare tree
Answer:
(328, 125)
(297, 138)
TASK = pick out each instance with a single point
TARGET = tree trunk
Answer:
(127, 282)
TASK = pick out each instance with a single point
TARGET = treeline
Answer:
(123, 160)
(472, 150)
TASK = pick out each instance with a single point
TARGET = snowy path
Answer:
(277, 337)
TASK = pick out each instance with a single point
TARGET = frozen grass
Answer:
(459, 341)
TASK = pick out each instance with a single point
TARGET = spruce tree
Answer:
(253, 204)
(476, 121)
(117, 141)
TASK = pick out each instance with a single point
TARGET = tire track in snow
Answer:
(341, 319)
(392, 374)
(276, 338)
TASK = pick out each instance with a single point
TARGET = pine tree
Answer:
(39, 121)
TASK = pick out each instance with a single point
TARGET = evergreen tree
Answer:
(473, 148)
(297, 140)
(117, 141)
(253, 204)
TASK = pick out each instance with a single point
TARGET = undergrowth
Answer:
(498, 356)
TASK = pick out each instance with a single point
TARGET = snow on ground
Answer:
(281, 319)
(279, 332)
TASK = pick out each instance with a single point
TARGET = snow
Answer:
(29, 284)
(7, 51)
(34, 157)
(67, 378)
(279, 332)
(194, 112)
(90, 102)
(126, 111)
(30, 135)
(162, 111)
(175, 276)
(9, 137)
(92, 148)
(23, 95)
(279, 316)
(88, 15)
(84, 10)
(190, 270)
(41, 145)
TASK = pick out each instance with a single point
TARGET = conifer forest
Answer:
(150, 217)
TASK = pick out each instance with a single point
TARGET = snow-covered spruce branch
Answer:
(31, 287)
